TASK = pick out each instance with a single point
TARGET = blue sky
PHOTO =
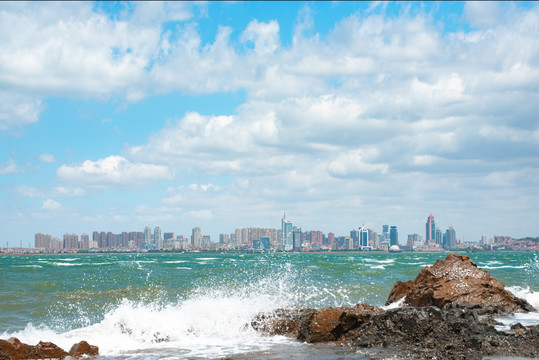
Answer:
(221, 115)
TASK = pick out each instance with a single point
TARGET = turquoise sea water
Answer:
(199, 305)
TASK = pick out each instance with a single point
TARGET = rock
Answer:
(13, 349)
(83, 348)
(456, 280)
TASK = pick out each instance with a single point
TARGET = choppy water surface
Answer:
(196, 306)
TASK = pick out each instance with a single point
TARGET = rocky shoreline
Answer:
(447, 312)
(13, 349)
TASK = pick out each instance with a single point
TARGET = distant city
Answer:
(287, 238)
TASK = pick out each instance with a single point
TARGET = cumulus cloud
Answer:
(113, 170)
(51, 205)
(9, 168)
(47, 158)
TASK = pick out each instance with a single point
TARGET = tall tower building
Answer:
(287, 236)
(196, 237)
(385, 232)
(147, 236)
(430, 238)
(363, 237)
(451, 238)
(393, 236)
(157, 238)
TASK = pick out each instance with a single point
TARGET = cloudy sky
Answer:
(224, 115)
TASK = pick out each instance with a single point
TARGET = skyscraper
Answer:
(393, 236)
(147, 236)
(196, 237)
(430, 227)
(287, 240)
(363, 237)
(451, 238)
(157, 238)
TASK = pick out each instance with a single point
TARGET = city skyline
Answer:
(222, 115)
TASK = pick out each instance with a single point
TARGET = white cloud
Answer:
(9, 168)
(51, 205)
(47, 158)
(17, 110)
(113, 170)
(264, 35)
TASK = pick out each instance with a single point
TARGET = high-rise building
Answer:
(224, 239)
(430, 227)
(196, 237)
(393, 236)
(147, 236)
(331, 239)
(85, 242)
(296, 238)
(354, 234)
(287, 240)
(157, 238)
(451, 238)
(385, 232)
(439, 238)
(42, 241)
(71, 241)
(363, 237)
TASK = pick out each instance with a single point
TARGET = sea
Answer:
(200, 305)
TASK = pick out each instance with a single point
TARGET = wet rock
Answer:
(14, 349)
(456, 280)
(83, 348)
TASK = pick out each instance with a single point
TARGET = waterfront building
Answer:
(147, 236)
(363, 238)
(451, 238)
(42, 241)
(84, 242)
(331, 239)
(385, 232)
(71, 241)
(157, 239)
(102, 239)
(224, 239)
(348, 243)
(354, 234)
(287, 240)
(296, 238)
(430, 238)
(196, 237)
(439, 237)
(393, 236)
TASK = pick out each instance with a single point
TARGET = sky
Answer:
(224, 115)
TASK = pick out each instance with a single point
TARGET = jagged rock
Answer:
(456, 280)
(83, 348)
(452, 316)
(14, 349)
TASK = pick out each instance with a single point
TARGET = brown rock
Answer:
(456, 280)
(83, 348)
(330, 324)
(13, 349)
(46, 350)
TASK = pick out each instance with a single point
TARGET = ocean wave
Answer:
(525, 293)
(184, 268)
(504, 267)
(377, 267)
(175, 261)
(209, 325)
(386, 261)
(29, 266)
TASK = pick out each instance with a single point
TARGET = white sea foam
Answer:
(175, 262)
(377, 267)
(504, 267)
(394, 305)
(206, 326)
(386, 261)
(525, 293)
(183, 268)
(28, 266)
